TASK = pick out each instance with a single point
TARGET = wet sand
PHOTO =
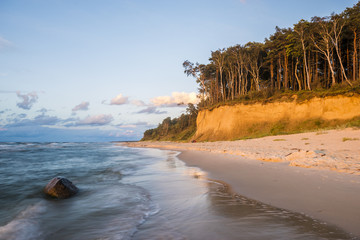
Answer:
(316, 174)
(321, 194)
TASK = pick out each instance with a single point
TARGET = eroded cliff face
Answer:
(239, 121)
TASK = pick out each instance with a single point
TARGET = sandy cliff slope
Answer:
(241, 120)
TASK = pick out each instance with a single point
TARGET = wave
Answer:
(113, 212)
(25, 225)
(104, 213)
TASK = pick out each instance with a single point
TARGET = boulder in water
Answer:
(60, 187)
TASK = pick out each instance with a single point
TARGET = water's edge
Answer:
(130, 193)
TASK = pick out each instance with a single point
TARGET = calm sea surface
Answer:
(128, 193)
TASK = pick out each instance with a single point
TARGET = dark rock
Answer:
(60, 187)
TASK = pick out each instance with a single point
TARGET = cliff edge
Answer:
(260, 119)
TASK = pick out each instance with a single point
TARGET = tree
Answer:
(238, 58)
(195, 70)
(218, 57)
(294, 49)
(254, 62)
(301, 29)
(335, 35)
(322, 41)
(352, 17)
(310, 55)
(230, 67)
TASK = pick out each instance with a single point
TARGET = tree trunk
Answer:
(217, 86)
(316, 68)
(335, 37)
(357, 63)
(354, 58)
(240, 76)
(341, 65)
(331, 68)
(306, 67)
(326, 76)
(296, 76)
(278, 75)
(310, 71)
(286, 77)
(348, 60)
(291, 79)
(272, 73)
(232, 79)
(344, 74)
(246, 81)
(236, 87)
(221, 85)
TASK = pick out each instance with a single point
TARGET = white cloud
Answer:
(133, 125)
(119, 100)
(128, 126)
(27, 100)
(176, 98)
(40, 120)
(128, 132)
(5, 43)
(151, 110)
(138, 103)
(97, 120)
(84, 106)
(43, 111)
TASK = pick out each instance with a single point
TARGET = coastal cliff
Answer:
(259, 119)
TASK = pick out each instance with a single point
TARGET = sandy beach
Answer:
(316, 173)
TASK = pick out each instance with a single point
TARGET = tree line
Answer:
(314, 54)
(180, 128)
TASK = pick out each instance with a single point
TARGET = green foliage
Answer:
(349, 139)
(321, 54)
(354, 123)
(285, 127)
(278, 128)
(316, 58)
(177, 129)
(268, 95)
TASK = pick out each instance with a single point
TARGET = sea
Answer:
(132, 193)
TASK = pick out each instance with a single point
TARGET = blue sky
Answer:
(108, 70)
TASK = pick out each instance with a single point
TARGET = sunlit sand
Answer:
(313, 173)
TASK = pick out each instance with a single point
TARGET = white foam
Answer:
(25, 225)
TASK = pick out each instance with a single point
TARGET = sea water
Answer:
(129, 193)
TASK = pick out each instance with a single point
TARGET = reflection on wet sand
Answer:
(247, 212)
(195, 207)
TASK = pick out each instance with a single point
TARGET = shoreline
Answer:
(320, 191)
(327, 196)
(335, 150)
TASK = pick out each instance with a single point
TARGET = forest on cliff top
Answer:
(313, 55)
(314, 58)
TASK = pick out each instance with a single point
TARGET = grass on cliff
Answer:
(269, 96)
(183, 128)
(286, 127)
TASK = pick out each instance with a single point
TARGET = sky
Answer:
(107, 70)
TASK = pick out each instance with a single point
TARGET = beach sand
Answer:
(317, 173)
